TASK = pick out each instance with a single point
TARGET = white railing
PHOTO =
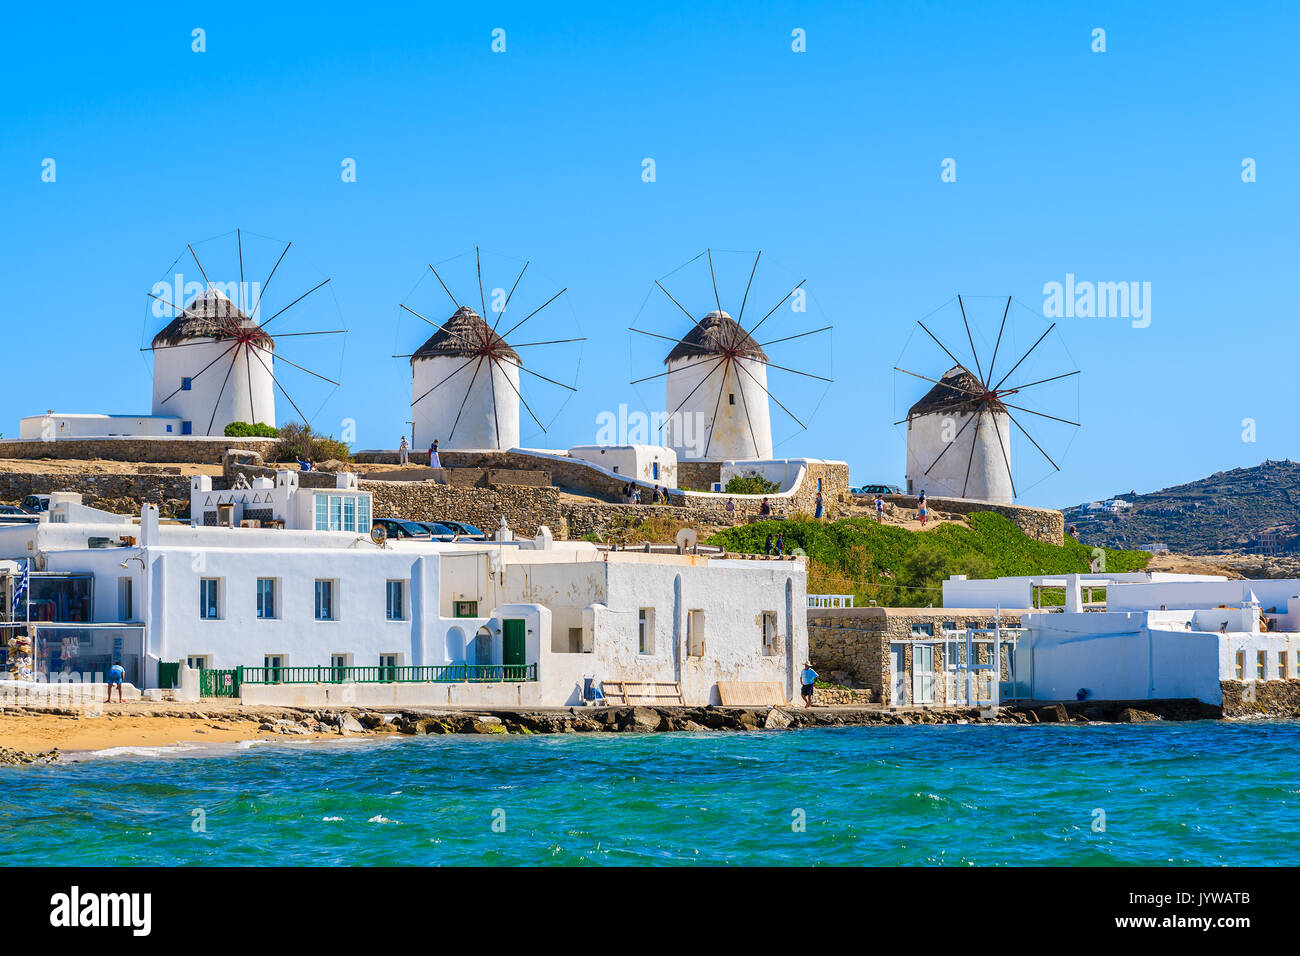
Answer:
(830, 600)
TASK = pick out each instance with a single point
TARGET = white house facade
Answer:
(305, 616)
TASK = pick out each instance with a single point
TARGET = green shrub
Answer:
(299, 441)
(245, 430)
(751, 484)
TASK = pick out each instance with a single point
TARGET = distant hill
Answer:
(1245, 509)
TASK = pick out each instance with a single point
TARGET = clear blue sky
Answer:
(1115, 166)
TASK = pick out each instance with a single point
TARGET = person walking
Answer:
(434, 460)
(765, 508)
(116, 675)
(731, 510)
(807, 680)
(767, 545)
(780, 544)
(402, 451)
(880, 510)
(922, 512)
(658, 498)
(818, 514)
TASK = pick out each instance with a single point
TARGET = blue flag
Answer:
(21, 590)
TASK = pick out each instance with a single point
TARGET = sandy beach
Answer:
(141, 724)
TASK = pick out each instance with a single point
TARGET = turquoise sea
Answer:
(1204, 793)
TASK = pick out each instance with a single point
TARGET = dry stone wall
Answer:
(1041, 524)
(1265, 698)
(524, 508)
(122, 494)
(201, 451)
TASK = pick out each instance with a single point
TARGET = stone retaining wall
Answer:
(582, 518)
(122, 494)
(524, 508)
(1272, 698)
(200, 451)
(1041, 524)
(698, 475)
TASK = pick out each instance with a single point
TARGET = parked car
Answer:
(877, 490)
(402, 529)
(11, 514)
(437, 530)
(35, 504)
(466, 531)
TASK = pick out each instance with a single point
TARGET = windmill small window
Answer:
(187, 384)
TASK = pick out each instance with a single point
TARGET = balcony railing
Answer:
(379, 674)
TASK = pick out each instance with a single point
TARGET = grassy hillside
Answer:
(893, 566)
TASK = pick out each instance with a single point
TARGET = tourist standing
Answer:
(818, 513)
(765, 509)
(767, 545)
(922, 512)
(658, 499)
(780, 544)
(880, 509)
(402, 451)
(807, 678)
(434, 460)
(731, 510)
(116, 674)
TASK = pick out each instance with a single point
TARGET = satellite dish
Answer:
(378, 535)
(687, 539)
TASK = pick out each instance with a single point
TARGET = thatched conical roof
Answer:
(463, 335)
(210, 315)
(953, 394)
(716, 334)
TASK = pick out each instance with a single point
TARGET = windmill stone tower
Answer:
(717, 381)
(465, 386)
(959, 441)
(210, 329)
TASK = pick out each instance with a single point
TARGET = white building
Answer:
(465, 387)
(1155, 637)
(959, 446)
(653, 464)
(330, 616)
(716, 393)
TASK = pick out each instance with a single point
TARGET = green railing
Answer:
(378, 674)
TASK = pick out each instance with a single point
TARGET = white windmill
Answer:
(466, 387)
(214, 361)
(717, 388)
(959, 434)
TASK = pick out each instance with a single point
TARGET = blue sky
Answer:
(1116, 166)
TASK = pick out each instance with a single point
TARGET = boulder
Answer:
(776, 719)
(347, 724)
(1131, 715)
(1053, 714)
(640, 720)
(487, 725)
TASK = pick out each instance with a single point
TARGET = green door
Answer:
(512, 647)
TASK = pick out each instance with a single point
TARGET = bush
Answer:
(299, 441)
(245, 430)
(751, 484)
